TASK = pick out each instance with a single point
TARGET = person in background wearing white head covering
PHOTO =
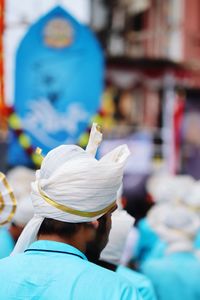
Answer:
(192, 200)
(113, 254)
(8, 206)
(189, 196)
(20, 179)
(73, 196)
(122, 236)
(176, 275)
(162, 188)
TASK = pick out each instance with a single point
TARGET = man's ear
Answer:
(90, 232)
(95, 224)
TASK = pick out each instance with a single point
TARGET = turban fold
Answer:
(168, 188)
(174, 222)
(73, 186)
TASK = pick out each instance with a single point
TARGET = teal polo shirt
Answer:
(51, 270)
(7, 242)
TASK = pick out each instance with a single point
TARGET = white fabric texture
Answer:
(130, 246)
(166, 187)
(122, 224)
(8, 201)
(24, 211)
(175, 224)
(20, 179)
(192, 198)
(119, 198)
(72, 176)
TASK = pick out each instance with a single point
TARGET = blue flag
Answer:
(58, 83)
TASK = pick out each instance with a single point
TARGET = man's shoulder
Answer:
(133, 276)
(10, 259)
(7, 264)
(112, 283)
(107, 275)
(104, 282)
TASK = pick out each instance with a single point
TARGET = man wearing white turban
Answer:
(113, 254)
(192, 200)
(176, 275)
(8, 203)
(8, 206)
(73, 196)
(162, 188)
(20, 179)
(10, 233)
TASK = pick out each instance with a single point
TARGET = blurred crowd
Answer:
(159, 255)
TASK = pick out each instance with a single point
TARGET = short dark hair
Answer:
(63, 229)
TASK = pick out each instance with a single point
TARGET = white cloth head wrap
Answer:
(24, 211)
(175, 224)
(192, 198)
(20, 178)
(8, 203)
(166, 188)
(72, 186)
(122, 224)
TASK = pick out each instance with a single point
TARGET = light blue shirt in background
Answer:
(197, 241)
(6, 242)
(175, 276)
(141, 282)
(146, 243)
(50, 270)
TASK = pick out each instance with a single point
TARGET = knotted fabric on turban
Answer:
(72, 186)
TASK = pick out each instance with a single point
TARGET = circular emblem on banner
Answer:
(58, 33)
(49, 111)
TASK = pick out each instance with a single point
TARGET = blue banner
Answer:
(58, 82)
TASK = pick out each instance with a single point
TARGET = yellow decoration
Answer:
(38, 151)
(108, 105)
(84, 139)
(37, 159)
(24, 141)
(73, 211)
(2, 204)
(14, 201)
(99, 128)
(14, 121)
(97, 119)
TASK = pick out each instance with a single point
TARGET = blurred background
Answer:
(142, 85)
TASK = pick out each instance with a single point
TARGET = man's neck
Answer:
(56, 238)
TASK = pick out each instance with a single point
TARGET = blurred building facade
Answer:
(148, 28)
(153, 73)
(152, 51)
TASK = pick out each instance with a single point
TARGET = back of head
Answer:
(175, 224)
(168, 188)
(73, 186)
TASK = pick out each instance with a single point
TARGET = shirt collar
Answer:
(57, 247)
